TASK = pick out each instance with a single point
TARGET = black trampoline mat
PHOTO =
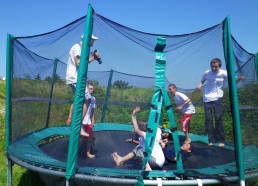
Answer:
(107, 142)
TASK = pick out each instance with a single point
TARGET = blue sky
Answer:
(30, 17)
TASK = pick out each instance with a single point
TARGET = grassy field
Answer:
(21, 177)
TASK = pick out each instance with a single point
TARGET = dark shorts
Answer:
(88, 129)
(138, 151)
(89, 142)
(73, 87)
(153, 164)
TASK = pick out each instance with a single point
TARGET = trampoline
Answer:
(107, 142)
(136, 71)
(47, 149)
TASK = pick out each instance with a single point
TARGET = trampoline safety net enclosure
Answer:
(38, 101)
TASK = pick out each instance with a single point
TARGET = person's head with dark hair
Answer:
(172, 85)
(187, 147)
(166, 134)
(172, 89)
(191, 147)
(215, 64)
(90, 88)
(165, 137)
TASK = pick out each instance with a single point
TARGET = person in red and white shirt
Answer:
(185, 105)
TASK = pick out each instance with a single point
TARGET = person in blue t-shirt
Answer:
(185, 151)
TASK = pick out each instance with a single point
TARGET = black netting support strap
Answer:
(173, 129)
(168, 107)
(154, 107)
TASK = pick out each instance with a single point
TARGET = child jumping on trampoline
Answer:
(184, 104)
(89, 119)
(157, 158)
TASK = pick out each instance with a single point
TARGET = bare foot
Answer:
(91, 156)
(188, 141)
(117, 158)
(148, 168)
(129, 140)
(221, 144)
(68, 121)
(83, 133)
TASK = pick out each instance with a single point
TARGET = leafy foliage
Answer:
(38, 77)
(57, 79)
(121, 84)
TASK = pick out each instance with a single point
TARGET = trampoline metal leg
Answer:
(67, 183)
(199, 182)
(242, 183)
(9, 172)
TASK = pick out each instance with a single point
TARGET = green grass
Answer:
(21, 176)
(2, 134)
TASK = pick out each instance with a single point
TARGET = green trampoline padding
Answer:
(48, 148)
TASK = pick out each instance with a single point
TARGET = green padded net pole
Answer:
(104, 110)
(8, 103)
(9, 75)
(230, 62)
(156, 107)
(79, 97)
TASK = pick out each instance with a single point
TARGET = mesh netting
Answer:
(126, 78)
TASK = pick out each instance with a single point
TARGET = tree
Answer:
(121, 84)
(38, 77)
(57, 79)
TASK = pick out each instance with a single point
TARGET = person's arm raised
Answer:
(134, 120)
